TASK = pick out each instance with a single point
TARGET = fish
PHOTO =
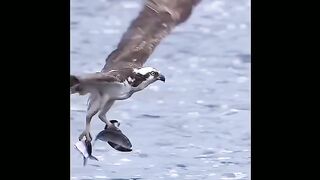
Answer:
(85, 148)
(114, 137)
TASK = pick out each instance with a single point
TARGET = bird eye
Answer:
(152, 73)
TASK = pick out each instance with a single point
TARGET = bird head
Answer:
(142, 77)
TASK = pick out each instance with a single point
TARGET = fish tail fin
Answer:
(85, 161)
(94, 158)
(74, 80)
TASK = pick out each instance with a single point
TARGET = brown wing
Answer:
(96, 78)
(91, 79)
(154, 22)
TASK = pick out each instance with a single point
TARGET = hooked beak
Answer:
(162, 78)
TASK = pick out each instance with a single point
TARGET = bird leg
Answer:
(93, 109)
(105, 109)
(86, 132)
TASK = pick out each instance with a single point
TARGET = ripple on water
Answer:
(231, 176)
(203, 156)
(223, 158)
(211, 106)
(208, 152)
(149, 116)
(100, 177)
(173, 173)
(181, 166)
(125, 160)
(231, 112)
(94, 165)
(163, 144)
(86, 178)
(229, 163)
(143, 155)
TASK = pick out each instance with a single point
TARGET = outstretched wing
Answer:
(155, 21)
(81, 84)
(93, 78)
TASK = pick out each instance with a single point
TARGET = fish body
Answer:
(85, 148)
(114, 137)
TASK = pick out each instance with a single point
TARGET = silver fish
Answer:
(114, 137)
(85, 148)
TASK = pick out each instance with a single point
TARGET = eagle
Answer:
(123, 73)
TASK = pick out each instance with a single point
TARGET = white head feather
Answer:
(145, 70)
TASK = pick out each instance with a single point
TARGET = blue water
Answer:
(194, 126)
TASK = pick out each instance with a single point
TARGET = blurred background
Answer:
(194, 126)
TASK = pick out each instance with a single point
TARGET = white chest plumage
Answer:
(117, 90)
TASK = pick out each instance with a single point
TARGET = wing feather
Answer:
(154, 22)
(98, 77)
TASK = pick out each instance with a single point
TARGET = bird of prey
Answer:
(123, 73)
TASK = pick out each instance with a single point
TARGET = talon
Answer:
(88, 137)
(85, 134)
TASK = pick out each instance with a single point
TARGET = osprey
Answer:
(123, 73)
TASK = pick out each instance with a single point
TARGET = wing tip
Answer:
(73, 80)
